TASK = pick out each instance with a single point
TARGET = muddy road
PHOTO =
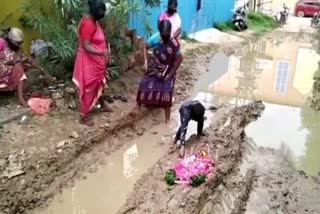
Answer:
(266, 152)
(42, 155)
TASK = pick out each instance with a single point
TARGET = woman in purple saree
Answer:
(156, 87)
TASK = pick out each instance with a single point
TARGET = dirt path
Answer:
(249, 178)
(226, 140)
(42, 155)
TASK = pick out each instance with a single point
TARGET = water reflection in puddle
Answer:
(106, 190)
(281, 75)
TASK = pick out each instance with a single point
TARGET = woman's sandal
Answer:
(182, 152)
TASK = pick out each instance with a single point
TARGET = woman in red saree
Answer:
(91, 61)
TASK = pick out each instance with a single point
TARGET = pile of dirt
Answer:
(226, 140)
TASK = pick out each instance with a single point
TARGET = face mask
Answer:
(172, 11)
(98, 11)
(98, 15)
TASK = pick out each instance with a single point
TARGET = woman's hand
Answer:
(106, 54)
(168, 77)
(145, 66)
(159, 75)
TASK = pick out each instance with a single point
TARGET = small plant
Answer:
(170, 177)
(261, 22)
(224, 26)
(198, 180)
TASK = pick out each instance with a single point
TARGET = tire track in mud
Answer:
(226, 139)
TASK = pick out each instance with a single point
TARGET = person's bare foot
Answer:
(85, 120)
(201, 135)
(24, 103)
(182, 151)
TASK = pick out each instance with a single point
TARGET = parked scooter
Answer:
(239, 19)
(315, 21)
(285, 13)
(282, 16)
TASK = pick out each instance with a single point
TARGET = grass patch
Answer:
(224, 26)
(261, 23)
(257, 22)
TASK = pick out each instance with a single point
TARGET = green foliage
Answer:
(224, 26)
(260, 22)
(170, 177)
(152, 3)
(58, 24)
(198, 180)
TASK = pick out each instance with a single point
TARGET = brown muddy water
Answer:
(280, 74)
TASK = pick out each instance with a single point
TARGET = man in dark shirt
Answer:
(190, 110)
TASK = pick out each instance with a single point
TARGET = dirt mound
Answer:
(226, 140)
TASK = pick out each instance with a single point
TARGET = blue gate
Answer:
(209, 13)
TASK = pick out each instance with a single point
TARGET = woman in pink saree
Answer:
(174, 18)
(91, 62)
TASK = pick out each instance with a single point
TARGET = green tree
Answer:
(58, 22)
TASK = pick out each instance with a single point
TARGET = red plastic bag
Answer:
(40, 106)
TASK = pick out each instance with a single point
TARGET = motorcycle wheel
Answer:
(237, 26)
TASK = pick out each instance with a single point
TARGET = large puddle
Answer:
(106, 190)
(280, 74)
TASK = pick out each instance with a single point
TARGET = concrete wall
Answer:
(211, 11)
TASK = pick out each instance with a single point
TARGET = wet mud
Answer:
(280, 187)
(50, 153)
(252, 176)
(226, 139)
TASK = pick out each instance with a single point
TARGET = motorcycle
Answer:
(315, 21)
(282, 20)
(285, 13)
(282, 16)
(239, 19)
